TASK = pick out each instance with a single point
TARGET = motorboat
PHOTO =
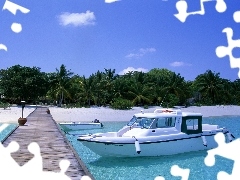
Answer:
(96, 124)
(163, 132)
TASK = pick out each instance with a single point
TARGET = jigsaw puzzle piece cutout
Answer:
(88, 178)
(222, 51)
(12, 7)
(7, 162)
(177, 171)
(3, 47)
(159, 178)
(64, 164)
(53, 175)
(223, 176)
(35, 164)
(182, 7)
(34, 167)
(236, 16)
(227, 150)
(221, 6)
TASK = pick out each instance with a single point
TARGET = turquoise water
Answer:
(4, 133)
(149, 167)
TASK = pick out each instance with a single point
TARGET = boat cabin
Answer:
(186, 122)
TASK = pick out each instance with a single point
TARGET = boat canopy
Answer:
(189, 123)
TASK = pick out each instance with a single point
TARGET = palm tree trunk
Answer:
(61, 99)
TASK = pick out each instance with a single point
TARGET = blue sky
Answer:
(90, 35)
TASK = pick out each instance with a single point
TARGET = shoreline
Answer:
(106, 114)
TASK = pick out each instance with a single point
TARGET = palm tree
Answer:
(140, 94)
(139, 90)
(175, 86)
(60, 83)
(235, 91)
(209, 85)
(88, 88)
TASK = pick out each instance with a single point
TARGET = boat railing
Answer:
(123, 130)
(209, 127)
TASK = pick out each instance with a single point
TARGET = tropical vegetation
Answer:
(160, 87)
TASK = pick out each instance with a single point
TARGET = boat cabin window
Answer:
(191, 124)
(165, 122)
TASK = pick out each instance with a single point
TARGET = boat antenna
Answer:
(163, 99)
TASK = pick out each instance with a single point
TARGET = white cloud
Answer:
(132, 69)
(141, 52)
(179, 63)
(111, 1)
(77, 19)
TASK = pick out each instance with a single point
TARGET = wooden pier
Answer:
(41, 128)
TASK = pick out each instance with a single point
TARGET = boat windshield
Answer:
(134, 120)
(141, 121)
(152, 123)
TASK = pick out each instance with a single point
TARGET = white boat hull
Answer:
(81, 126)
(163, 132)
(165, 147)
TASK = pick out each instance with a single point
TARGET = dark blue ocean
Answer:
(143, 168)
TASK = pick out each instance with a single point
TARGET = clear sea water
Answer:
(4, 133)
(143, 168)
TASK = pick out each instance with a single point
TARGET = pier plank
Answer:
(41, 128)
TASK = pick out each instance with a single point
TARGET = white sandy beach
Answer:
(104, 114)
(11, 115)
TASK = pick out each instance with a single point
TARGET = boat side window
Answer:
(147, 122)
(192, 124)
(166, 122)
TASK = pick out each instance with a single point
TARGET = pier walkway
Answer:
(41, 128)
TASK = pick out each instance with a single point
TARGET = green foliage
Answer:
(145, 106)
(23, 83)
(210, 85)
(4, 105)
(156, 87)
(173, 100)
(75, 105)
(139, 92)
(122, 104)
(60, 83)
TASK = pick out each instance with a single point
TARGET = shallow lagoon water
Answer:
(149, 167)
(5, 132)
